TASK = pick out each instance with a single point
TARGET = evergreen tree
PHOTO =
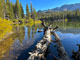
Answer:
(34, 14)
(2, 3)
(27, 11)
(14, 10)
(17, 9)
(0, 8)
(22, 11)
(3, 8)
(31, 9)
(7, 9)
(11, 11)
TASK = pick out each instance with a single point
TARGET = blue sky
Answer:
(46, 4)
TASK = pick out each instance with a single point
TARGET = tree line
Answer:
(59, 15)
(9, 10)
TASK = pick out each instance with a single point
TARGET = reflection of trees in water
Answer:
(70, 30)
(21, 43)
(29, 32)
(5, 46)
(19, 34)
(66, 25)
(18, 37)
(34, 29)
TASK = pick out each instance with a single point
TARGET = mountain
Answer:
(69, 7)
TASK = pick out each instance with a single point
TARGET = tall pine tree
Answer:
(34, 14)
(27, 12)
(7, 9)
(2, 4)
(31, 11)
(31, 8)
(3, 8)
(11, 11)
(22, 11)
(14, 10)
(0, 8)
(17, 9)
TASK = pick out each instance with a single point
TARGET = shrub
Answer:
(5, 27)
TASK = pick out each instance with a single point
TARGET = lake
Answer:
(17, 46)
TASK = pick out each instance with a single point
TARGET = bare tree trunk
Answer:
(41, 47)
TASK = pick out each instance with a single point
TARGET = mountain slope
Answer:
(69, 7)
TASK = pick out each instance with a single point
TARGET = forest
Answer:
(60, 15)
(13, 11)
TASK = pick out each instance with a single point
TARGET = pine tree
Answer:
(0, 9)
(31, 8)
(31, 11)
(27, 11)
(3, 8)
(14, 10)
(2, 3)
(11, 11)
(7, 9)
(17, 9)
(34, 14)
(22, 11)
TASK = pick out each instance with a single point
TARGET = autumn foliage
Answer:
(5, 27)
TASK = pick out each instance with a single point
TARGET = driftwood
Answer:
(76, 55)
(42, 46)
(61, 51)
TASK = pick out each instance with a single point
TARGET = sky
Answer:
(45, 4)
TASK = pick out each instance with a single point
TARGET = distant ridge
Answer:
(69, 7)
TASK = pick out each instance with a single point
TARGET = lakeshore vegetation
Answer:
(13, 13)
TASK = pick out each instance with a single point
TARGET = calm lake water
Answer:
(25, 38)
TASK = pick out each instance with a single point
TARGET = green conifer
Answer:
(27, 11)
(17, 9)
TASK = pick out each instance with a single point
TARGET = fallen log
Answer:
(39, 52)
(42, 46)
(61, 51)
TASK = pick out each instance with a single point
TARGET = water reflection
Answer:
(66, 25)
(24, 40)
(5, 46)
(70, 30)
(17, 46)
(69, 41)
